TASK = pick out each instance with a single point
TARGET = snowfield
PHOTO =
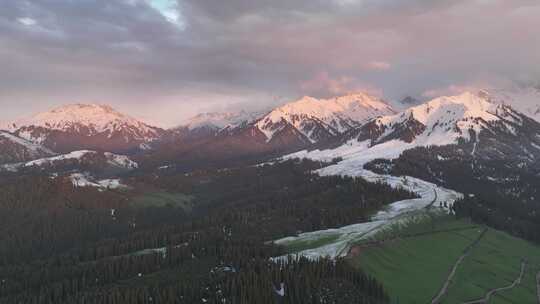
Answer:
(50, 160)
(86, 180)
(355, 154)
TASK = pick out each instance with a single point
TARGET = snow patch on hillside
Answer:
(355, 153)
(121, 161)
(50, 160)
(87, 180)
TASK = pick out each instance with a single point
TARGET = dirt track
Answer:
(538, 286)
(492, 292)
(444, 289)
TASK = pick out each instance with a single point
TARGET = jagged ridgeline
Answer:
(83, 245)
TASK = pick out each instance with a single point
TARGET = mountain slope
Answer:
(524, 99)
(16, 149)
(220, 120)
(76, 161)
(209, 124)
(85, 126)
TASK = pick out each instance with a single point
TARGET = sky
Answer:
(166, 60)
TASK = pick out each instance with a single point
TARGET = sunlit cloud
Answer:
(450, 90)
(322, 85)
(27, 21)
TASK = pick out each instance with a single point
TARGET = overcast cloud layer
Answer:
(164, 60)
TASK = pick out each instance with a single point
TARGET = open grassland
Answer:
(413, 269)
(162, 199)
(300, 245)
(414, 260)
(495, 263)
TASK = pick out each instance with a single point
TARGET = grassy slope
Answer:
(162, 198)
(494, 263)
(524, 293)
(300, 245)
(414, 269)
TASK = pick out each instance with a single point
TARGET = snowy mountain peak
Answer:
(84, 126)
(356, 106)
(319, 118)
(99, 118)
(443, 121)
(449, 108)
(220, 120)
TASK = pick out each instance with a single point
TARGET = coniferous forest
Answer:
(63, 244)
(499, 193)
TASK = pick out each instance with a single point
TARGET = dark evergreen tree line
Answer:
(61, 244)
(502, 193)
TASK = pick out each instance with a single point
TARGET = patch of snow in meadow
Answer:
(86, 180)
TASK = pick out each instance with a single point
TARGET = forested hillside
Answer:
(63, 244)
(502, 193)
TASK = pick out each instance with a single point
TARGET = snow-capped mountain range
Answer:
(319, 119)
(210, 124)
(485, 129)
(313, 119)
(355, 123)
(84, 126)
(299, 124)
(441, 121)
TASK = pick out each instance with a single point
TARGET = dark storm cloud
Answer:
(129, 52)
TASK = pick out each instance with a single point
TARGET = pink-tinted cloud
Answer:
(379, 65)
(449, 90)
(324, 85)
